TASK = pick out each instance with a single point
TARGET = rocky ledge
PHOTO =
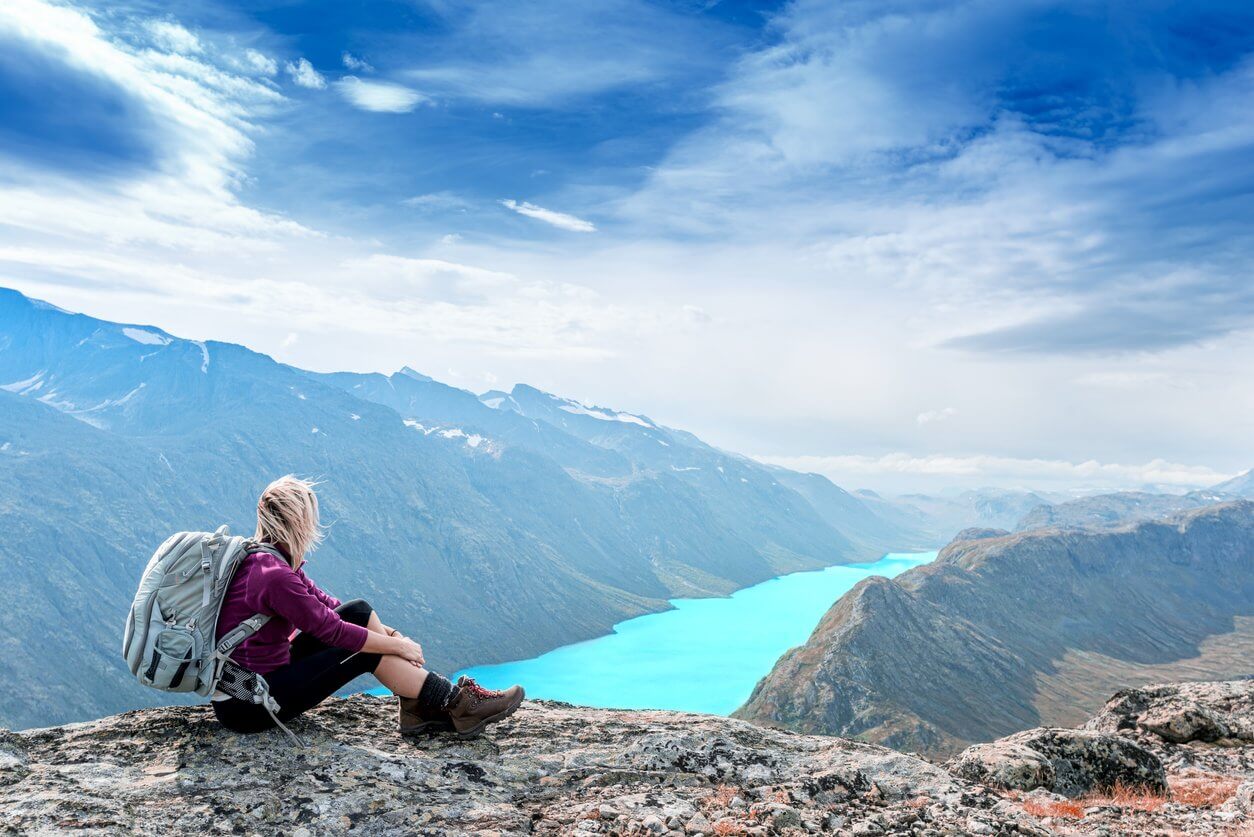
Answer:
(560, 769)
(1175, 758)
(551, 769)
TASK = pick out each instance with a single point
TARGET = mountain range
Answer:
(1008, 631)
(492, 528)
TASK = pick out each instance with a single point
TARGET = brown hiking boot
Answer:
(475, 707)
(413, 722)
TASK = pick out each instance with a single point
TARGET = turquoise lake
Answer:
(706, 655)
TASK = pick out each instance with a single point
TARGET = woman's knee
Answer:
(357, 612)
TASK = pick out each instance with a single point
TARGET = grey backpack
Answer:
(169, 641)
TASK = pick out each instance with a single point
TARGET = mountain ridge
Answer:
(490, 543)
(1006, 631)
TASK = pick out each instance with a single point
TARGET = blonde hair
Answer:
(287, 514)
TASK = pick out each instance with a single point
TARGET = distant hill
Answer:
(1115, 509)
(490, 532)
(937, 518)
(1242, 484)
(1012, 631)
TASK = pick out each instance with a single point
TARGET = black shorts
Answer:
(315, 672)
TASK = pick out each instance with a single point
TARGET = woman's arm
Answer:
(317, 592)
(396, 645)
(285, 593)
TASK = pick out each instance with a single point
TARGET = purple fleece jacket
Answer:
(265, 583)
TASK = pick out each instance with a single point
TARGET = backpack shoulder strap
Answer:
(241, 632)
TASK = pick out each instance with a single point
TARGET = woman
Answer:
(337, 642)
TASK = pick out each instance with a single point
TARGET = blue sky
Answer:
(902, 243)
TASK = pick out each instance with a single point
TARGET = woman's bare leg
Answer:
(398, 674)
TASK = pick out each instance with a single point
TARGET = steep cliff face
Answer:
(1005, 632)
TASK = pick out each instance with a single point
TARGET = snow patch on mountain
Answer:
(602, 414)
(31, 384)
(148, 338)
(497, 400)
(472, 439)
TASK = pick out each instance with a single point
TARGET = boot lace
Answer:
(478, 691)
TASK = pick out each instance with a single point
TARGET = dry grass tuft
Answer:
(726, 828)
(1134, 797)
(722, 797)
(1069, 809)
(1202, 790)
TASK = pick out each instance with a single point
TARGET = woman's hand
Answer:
(407, 649)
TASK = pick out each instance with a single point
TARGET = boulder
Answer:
(1070, 762)
(1182, 712)
(1181, 721)
(1003, 764)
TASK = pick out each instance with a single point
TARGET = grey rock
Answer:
(1242, 802)
(551, 769)
(1071, 763)
(1183, 712)
(1005, 764)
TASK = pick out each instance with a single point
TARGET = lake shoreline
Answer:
(698, 655)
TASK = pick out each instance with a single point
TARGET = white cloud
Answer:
(304, 74)
(557, 219)
(379, 96)
(438, 202)
(199, 122)
(356, 64)
(260, 63)
(450, 238)
(1001, 470)
(173, 37)
(932, 416)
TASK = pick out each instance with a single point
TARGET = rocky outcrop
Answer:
(1069, 762)
(1165, 759)
(1180, 713)
(551, 769)
(560, 769)
(1014, 631)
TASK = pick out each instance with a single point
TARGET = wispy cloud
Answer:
(260, 63)
(357, 65)
(173, 37)
(1061, 194)
(933, 416)
(438, 202)
(557, 219)
(552, 52)
(379, 96)
(304, 74)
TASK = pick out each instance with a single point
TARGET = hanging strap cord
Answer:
(239, 682)
(250, 687)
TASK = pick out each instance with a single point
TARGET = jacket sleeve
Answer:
(286, 593)
(322, 596)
